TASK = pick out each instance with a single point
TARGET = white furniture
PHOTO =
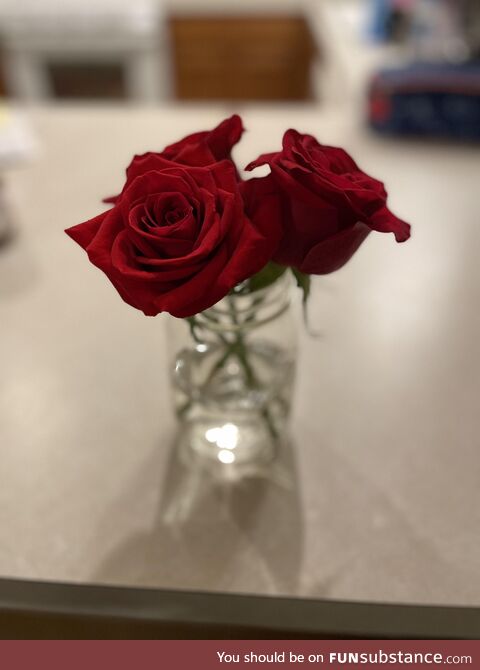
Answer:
(16, 147)
(73, 31)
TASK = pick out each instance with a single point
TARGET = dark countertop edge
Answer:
(268, 616)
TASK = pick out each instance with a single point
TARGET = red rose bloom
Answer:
(328, 205)
(177, 239)
(208, 146)
(199, 149)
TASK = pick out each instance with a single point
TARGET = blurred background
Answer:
(417, 61)
(157, 51)
(405, 66)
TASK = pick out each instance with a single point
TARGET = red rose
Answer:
(328, 204)
(199, 149)
(177, 239)
(208, 146)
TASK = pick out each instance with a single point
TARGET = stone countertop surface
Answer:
(377, 496)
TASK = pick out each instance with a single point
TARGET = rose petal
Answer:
(83, 233)
(332, 253)
(263, 159)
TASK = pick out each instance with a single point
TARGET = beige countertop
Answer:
(377, 497)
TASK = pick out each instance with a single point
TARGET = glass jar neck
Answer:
(243, 312)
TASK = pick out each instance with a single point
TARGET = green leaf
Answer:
(304, 282)
(267, 276)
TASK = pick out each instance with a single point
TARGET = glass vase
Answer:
(233, 370)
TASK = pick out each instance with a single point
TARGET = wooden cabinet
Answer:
(244, 58)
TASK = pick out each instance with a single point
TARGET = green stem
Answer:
(237, 348)
(241, 351)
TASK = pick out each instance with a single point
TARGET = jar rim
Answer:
(252, 309)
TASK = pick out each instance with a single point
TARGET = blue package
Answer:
(440, 100)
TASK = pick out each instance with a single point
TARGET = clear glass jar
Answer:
(233, 370)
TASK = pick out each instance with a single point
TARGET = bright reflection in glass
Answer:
(226, 456)
(212, 434)
(226, 439)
